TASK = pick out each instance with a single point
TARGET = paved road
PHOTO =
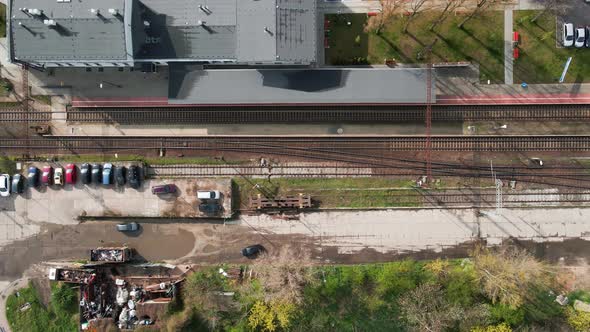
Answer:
(508, 48)
(342, 237)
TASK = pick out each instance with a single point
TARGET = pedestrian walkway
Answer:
(508, 48)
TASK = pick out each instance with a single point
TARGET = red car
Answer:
(47, 175)
(70, 173)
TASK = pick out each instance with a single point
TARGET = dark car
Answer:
(18, 184)
(164, 189)
(133, 177)
(128, 227)
(120, 174)
(96, 171)
(85, 173)
(253, 251)
(33, 177)
(210, 208)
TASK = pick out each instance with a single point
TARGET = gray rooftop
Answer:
(189, 85)
(244, 31)
(79, 34)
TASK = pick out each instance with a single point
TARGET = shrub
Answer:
(493, 328)
(578, 320)
(502, 313)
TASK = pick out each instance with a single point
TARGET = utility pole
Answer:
(26, 103)
(429, 123)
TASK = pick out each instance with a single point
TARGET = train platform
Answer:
(462, 86)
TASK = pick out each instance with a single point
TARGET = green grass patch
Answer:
(8, 103)
(349, 44)
(43, 99)
(61, 314)
(541, 60)
(7, 165)
(481, 41)
(2, 20)
(335, 192)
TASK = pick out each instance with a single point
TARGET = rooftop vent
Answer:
(201, 23)
(35, 11)
(205, 9)
(95, 11)
(113, 11)
(50, 23)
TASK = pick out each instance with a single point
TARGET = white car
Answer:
(213, 194)
(568, 34)
(4, 185)
(58, 176)
(580, 37)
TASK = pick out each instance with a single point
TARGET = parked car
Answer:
(128, 227)
(120, 174)
(214, 194)
(588, 36)
(95, 173)
(33, 177)
(568, 34)
(164, 189)
(85, 171)
(210, 208)
(18, 184)
(70, 174)
(253, 251)
(4, 185)
(134, 177)
(47, 176)
(58, 176)
(580, 37)
(107, 174)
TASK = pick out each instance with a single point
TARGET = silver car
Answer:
(128, 227)
(568, 34)
(580, 37)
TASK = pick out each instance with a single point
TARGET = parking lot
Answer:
(576, 12)
(63, 204)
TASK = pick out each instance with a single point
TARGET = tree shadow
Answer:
(396, 49)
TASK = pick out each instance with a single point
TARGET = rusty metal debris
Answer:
(300, 201)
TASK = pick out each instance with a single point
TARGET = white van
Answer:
(214, 194)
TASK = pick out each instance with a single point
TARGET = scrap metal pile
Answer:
(112, 255)
(77, 276)
(118, 301)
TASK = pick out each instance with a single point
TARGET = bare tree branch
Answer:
(415, 6)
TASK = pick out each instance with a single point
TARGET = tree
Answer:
(269, 316)
(510, 276)
(415, 6)
(388, 10)
(481, 5)
(426, 308)
(283, 276)
(493, 328)
(450, 6)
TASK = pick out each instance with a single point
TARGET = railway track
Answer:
(20, 115)
(301, 146)
(323, 113)
(486, 198)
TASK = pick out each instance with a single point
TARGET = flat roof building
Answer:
(87, 33)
